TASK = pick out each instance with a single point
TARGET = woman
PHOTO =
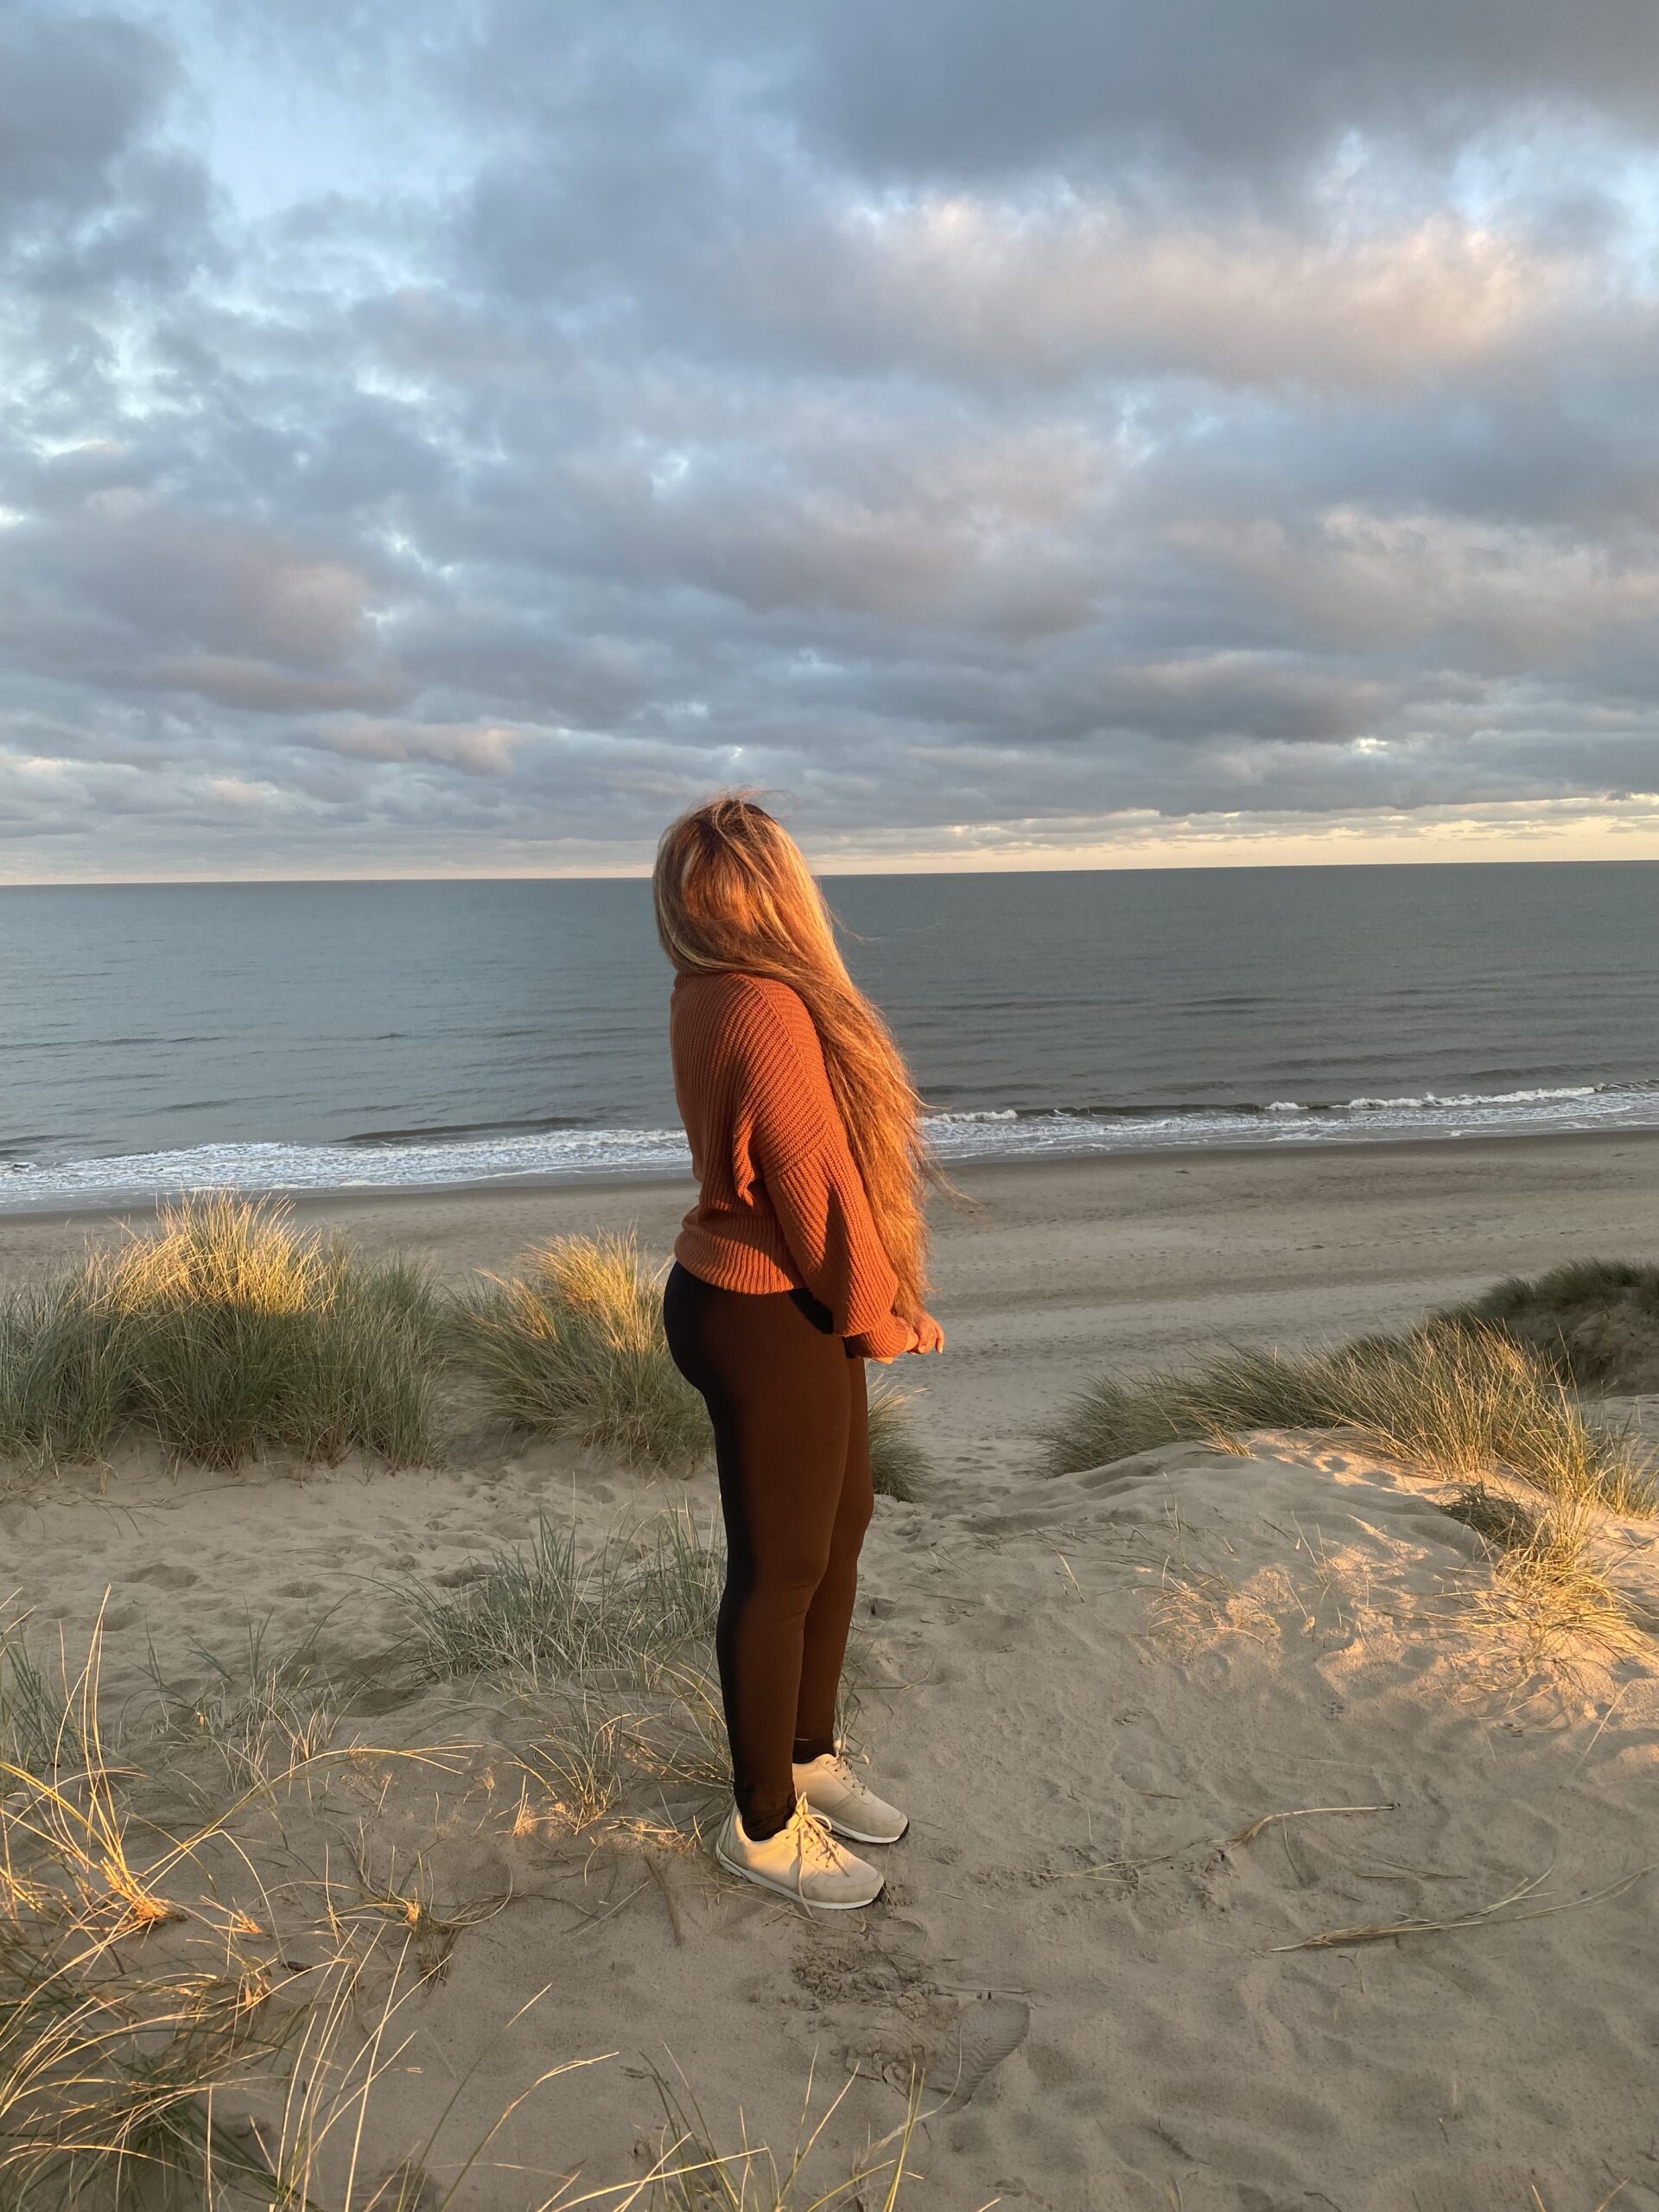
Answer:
(803, 1257)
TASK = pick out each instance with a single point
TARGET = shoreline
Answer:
(332, 1196)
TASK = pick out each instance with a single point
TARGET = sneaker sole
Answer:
(858, 1835)
(781, 1890)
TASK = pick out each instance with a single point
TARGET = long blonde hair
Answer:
(733, 892)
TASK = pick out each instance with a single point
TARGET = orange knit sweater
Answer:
(782, 1205)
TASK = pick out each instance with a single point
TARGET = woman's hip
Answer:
(737, 1345)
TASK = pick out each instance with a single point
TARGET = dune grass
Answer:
(899, 1465)
(160, 2046)
(108, 2063)
(263, 1712)
(33, 1717)
(225, 1333)
(696, 2177)
(572, 1345)
(1596, 1321)
(616, 1648)
(1462, 1401)
(1547, 1585)
(536, 1613)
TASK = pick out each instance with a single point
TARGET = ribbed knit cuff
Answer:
(884, 1342)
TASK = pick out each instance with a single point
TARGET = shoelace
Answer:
(810, 1833)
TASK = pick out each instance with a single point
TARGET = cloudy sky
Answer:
(451, 437)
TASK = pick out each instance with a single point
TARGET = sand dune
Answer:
(1090, 1691)
(1164, 1729)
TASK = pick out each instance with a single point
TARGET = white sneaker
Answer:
(837, 1795)
(803, 1861)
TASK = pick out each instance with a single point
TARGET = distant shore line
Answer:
(325, 1198)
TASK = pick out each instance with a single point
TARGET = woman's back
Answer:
(781, 1205)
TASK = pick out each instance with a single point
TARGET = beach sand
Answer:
(1088, 1690)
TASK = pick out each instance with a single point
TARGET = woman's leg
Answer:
(777, 1393)
(831, 1615)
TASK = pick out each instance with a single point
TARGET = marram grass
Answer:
(1596, 1321)
(108, 2067)
(226, 1332)
(899, 1465)
(572, 1345)
(223, 1333)
(204, 2068)
(1459, 1400)
(536, 1613)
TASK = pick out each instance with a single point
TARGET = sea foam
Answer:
(957, 1134)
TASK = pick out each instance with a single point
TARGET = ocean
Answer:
(162, 1038)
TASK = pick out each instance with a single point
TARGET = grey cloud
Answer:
(221, 679)
(984, 439)
(977, 92)
(91, 196)
(171, 577)
(937, 87)
(476, 749)
(148, 597)
(76, 94)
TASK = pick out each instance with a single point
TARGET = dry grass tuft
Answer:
(1547, 1588)
(573, 1345)
(694, 2177)
(1596, 1321)
(263, 1713)
(538, 1614)
(898, 1466)
(108, 2064)
(157, 2045)
(1459, 1400)
(223, 1333)
(617, 1649)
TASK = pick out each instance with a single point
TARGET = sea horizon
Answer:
(355, 1034)
(918, 865)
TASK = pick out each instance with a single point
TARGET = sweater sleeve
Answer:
(798, 1144)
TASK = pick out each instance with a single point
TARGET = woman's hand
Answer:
(929, 1337)
(895, 1336)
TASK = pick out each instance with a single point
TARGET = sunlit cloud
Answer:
(968, 288)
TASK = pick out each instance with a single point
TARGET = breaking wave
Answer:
(389, 1159)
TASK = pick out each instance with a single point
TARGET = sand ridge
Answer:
(1087, 1690)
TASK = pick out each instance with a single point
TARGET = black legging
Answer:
(791, 1442)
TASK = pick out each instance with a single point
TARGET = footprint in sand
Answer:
(987, 2031)
(166, 1574)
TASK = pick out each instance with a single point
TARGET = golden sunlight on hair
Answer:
(732, 890)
